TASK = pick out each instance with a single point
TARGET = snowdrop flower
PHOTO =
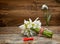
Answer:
(30, 20)
(36, 19)
(34, 25)
(29, 26)
(22, 26)
(44, 7)
(37, 23)
(26, 22)
(30, 23)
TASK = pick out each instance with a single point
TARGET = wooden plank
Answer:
(28, 13)
(31, 2)
(16, 21)
(14, 18)
(9, 30)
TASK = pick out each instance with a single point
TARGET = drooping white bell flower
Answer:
(44, 6)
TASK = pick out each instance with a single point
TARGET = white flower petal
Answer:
(26, 22)
(34, 26)
(30, 20)
(44, 6)
(29, 26)
(22, 26)
(36, 19)
(39, 23)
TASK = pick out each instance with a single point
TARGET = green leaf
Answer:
(48, 18)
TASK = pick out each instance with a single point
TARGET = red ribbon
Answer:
(27, 39)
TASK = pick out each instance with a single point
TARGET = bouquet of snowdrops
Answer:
(31, 28)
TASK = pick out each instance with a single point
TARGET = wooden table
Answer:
(11, 35)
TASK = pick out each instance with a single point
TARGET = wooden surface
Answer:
(17, 39)
(13, 12)
(11, 35)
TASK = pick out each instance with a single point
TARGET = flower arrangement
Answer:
(36, 24)
(31, 28)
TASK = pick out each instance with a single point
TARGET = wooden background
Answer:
(13, 12)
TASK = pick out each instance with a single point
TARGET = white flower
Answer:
(44, 6)
(26, 22)
(30, 20)
(22, 26)
(29, 26)
(37, 23)
(34, 25)
(36, 19)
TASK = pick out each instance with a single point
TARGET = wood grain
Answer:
(13, 12)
